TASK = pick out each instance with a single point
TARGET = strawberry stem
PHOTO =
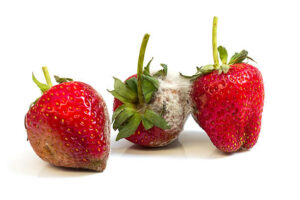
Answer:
(140, 69)
(214, 43)
(47, 76)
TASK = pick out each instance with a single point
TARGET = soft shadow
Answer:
(173, 149)
(54, 171)
(193, 144)
(197, 144)
(29, 164)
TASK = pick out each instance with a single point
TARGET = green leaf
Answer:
(123, 117)
(149, 87)
(148, 90)
(163, 72)
(60, 80)
(225, 68)
(200, 71)
(206, 69)
(192, 77)
(147, 124)
(152, 80)
(156, 119)
(43, 87)
(251, 59)
(117, 112)
(238, 57)
(123, 90)
(223, 54)
(132, 84)
(147, 68)
(118, 96)
(129, 128)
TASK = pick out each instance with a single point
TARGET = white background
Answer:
(92, 41)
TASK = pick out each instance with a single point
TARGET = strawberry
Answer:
(228, 99)
(149, 109)
(69, 125)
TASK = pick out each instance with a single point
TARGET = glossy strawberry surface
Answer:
(69, 126)
(229, 106)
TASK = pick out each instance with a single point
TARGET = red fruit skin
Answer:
(229, 106)
(69, 126)
(154, 137)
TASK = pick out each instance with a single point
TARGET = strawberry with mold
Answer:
(150, 109)
(69, 124)
(228, 99)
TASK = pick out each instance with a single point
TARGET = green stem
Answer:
(214, 42)
(47, 76)
(140, 68)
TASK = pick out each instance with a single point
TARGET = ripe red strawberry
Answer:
(149, 110)
(69, 125)
(228, 100)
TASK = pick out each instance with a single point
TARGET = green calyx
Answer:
(136, 94)
(46, 86)
(219, 52)
(60, 80)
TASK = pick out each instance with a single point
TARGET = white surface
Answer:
(91, 41)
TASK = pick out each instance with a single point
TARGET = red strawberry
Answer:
(149, 110)
(228, 100)
(69, 125)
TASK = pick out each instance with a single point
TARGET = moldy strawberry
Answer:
(150, 109)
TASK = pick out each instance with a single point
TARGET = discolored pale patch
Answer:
(58, 135)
